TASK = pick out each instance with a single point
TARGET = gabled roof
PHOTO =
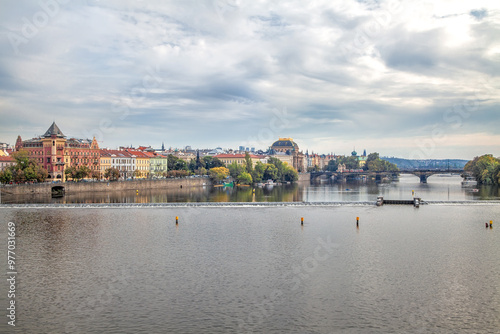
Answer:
(54, 130)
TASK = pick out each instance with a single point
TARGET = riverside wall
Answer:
(78, 187)
(304, 177)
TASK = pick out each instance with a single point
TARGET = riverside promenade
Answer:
(79, 187)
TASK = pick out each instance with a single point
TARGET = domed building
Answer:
(287, 147)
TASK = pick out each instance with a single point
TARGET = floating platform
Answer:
(415, 201)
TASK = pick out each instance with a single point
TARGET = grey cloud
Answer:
(479, 14)
(414, 52)
(219, 71)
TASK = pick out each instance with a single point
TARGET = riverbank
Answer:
(79, 187)
(113, 186)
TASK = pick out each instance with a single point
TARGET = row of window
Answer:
(231, 161)
(5, 165)
(93, 154)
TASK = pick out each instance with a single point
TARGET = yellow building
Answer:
(228, 159)
(285, 158)
(105, 158)
(361, 159)
(142, 163)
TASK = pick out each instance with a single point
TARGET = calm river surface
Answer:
(438, 188)
(237, 269)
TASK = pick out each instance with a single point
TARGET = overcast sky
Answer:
(413, 79)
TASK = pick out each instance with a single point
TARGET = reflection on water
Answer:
(437, 189)
(256, 270)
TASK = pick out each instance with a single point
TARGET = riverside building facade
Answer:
(55, 153)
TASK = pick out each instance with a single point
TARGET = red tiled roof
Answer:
(7, 159)
(236, 156)
(149, 154)
(117, 153)
(138, 154)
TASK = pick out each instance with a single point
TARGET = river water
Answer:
(256, 269)
(438, 188)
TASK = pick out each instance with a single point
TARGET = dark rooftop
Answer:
(54, 130)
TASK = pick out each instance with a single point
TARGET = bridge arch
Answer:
(57, 191)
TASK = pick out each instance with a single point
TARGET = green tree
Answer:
(271, 172)
(6, 176)
(332, 166)
(210, 162)
(193, 165)
(178, 173)
(280, 168)
(201, 171)
(112, 174)
(248, 163)
(70, 172)
(18, 175)
(77, 173)
(351, 162)
(83, 172)
(26, 169)
(175, 163)
(372, 156)
(280, 171)
(235, 170)
(245, 178)
(218, 174)
(314, 168)
(486, 169)
(375, 164)
(95, 175)
(290, 174)
(258, 171)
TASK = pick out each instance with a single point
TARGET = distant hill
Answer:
(427, 163)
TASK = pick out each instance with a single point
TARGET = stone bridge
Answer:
(423, 174)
